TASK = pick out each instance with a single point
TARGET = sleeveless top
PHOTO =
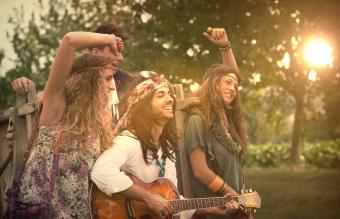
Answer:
(70, 195)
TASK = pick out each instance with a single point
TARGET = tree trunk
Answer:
(299, 115)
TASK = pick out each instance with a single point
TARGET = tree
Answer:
(166, 37)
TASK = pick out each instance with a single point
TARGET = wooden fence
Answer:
(15, 129)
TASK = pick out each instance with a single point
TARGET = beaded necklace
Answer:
(161, 163)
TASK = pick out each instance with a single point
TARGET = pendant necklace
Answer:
(161, 165)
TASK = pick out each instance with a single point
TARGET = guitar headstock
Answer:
(249, 200)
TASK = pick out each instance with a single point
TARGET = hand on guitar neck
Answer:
(228, 191)
(227, 209)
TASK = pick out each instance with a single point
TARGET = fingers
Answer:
(232, 205)
(216, 35)
(207, 35)
(113, 45)
(163, 211)
(120, 44)
(168, 209)
(160, 206)
(21, 85)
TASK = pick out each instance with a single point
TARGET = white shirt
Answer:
(113, 102)
(126, 155)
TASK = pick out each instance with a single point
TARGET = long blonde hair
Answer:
(87, 115)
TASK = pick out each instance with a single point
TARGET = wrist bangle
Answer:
(224, 186)
(226, 47)
(216, 184)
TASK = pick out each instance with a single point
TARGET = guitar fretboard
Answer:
(196, 203)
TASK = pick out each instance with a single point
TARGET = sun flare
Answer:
(318, 53)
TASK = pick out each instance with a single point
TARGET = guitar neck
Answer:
(196, 203)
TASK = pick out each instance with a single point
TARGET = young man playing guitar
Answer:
(144, 148)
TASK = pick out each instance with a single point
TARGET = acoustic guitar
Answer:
(119, 207)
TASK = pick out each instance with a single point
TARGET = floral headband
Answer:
(140, 92)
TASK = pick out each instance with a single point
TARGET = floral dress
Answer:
(70, 194)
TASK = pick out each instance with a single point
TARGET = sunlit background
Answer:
(287, 53)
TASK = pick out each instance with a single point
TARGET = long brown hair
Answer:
(87, 113)
(215, 109)
(142, 120)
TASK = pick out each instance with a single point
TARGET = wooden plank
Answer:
(20, 99)
(4, 114)
(26, 108)
(186, 103)
(182, 164)
(20, 140)
(32, 94)
(6, 137)
(20, 119)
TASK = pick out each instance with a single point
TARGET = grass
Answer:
(302, 194)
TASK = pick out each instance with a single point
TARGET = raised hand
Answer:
(218, 36)
(116, 45)
(120, 44)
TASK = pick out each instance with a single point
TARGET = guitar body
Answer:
(115, 206)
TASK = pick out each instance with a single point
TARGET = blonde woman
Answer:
(76, 116)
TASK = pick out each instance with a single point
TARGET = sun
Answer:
(318, 53)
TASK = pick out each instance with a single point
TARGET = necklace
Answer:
(224, 137)
(161, 165)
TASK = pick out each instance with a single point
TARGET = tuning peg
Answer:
(246, 191)
(254, 210)
(242, 191)
(250, 190)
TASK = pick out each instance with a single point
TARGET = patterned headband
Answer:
(140, 92)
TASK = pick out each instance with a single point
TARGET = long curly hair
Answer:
(215, 109)
(87, 113)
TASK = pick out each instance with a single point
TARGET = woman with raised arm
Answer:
(75, 125)
(215, 136)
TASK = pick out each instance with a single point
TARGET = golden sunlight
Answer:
(312, 75)
(318, 53)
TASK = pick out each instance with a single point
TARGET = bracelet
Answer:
(223, 188)
(216, 184)
(226, 47)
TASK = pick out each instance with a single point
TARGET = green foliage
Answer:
(268, 155)
(269, 122)
(323, 154)
(320, 154)
(166, 36)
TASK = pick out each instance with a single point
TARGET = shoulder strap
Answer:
(28, 148)
(55, 164)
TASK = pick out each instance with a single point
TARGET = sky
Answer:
(6, 9)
